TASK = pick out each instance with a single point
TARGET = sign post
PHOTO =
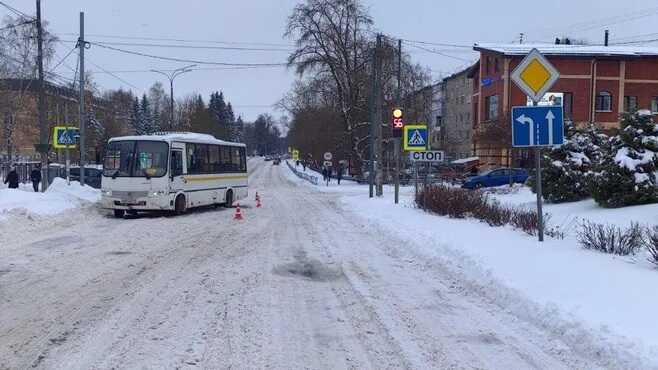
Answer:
(415, 138)
(64, 137)
(535, 127)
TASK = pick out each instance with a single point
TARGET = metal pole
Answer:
(397, 139)
(67, 151)
(378, 122)
(171, 103)
(540, 213)
(81, 45)
(43, 125)
(371, 164)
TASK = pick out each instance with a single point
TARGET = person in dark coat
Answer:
(35, 176)
(339, 173)
(12, 178)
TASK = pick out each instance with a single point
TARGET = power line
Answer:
(15, 25)
(112, 74)
(236, 48)
(438, 44)
(62, 60)
(181, 40)
(439, 53)
(185, 60)
(193, 69)
(16, 11)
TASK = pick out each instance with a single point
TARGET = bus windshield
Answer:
(136, 159)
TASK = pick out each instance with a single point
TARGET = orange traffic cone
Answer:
(238, 213)
(258, 205)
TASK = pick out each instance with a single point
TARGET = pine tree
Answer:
(146, 116)
(238, 130)
(626, 175)
(568, 169)
(134, 116)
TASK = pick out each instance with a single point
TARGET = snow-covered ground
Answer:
(58, 198)
(599, 304)
(303, 282)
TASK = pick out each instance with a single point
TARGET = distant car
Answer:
(497, 177)
(92, 176)
(277, 161)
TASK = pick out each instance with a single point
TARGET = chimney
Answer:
(607, 35)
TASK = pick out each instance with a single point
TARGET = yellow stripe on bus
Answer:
(212, 178)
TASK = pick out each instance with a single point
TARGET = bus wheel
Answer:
(180, 205)
(118, 213)
(229, 199)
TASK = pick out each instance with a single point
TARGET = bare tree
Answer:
(333, 43)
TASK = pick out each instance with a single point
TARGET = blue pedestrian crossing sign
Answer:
(65, 137)
(537, 126)
(415, 138)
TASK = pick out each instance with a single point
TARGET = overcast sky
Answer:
(261, 24)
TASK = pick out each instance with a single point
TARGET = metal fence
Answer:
(312, 179)
(25, 168)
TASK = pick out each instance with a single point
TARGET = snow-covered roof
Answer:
(570, 50)
(190, 137)
(465, 160)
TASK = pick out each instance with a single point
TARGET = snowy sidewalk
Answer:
(58, 198)
(600, 303)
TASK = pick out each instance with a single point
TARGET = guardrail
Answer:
(312, 179)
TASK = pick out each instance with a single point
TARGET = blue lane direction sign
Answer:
(537, 126)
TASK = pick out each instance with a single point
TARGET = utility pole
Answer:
(398, 99)
(41, 102)
(379, 121)
(82, 44)
(175, 73)
(371, 138)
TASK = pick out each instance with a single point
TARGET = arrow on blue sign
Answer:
(537, 126)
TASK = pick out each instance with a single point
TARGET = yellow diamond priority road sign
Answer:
(535, 75)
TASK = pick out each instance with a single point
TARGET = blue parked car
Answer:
(497, 177)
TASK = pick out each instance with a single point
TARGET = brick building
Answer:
(596, 84)
(456, 129)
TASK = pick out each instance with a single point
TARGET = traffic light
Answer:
(398, 122)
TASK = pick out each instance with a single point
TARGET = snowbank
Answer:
(600, 304)
(58, 198)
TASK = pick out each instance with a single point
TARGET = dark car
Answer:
(497, 177)
(277, 161)
(92, 176)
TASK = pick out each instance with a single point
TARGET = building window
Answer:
(604, 102)
(630, 103)
(488, 65)
(567, 105)
(654, 105)
(496, 66)
(491, 105)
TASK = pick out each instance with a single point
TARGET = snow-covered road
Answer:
(299, 283)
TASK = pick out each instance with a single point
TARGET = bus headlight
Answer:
(154, 194)
(107, 193)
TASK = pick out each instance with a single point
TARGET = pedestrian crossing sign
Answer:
(415, 138)
(65, 137)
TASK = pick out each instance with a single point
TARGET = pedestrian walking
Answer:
(324, 173)
(12, 178)
(339, 173)
(35, 176)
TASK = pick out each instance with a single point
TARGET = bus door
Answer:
(177, 182)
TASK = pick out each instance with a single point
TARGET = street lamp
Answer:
(171, 76)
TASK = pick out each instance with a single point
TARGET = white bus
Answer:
(172, 171)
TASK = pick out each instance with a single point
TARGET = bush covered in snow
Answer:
(651, 244)
(610, 238)
(568, 169)
(461, 203)
(626, 173)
